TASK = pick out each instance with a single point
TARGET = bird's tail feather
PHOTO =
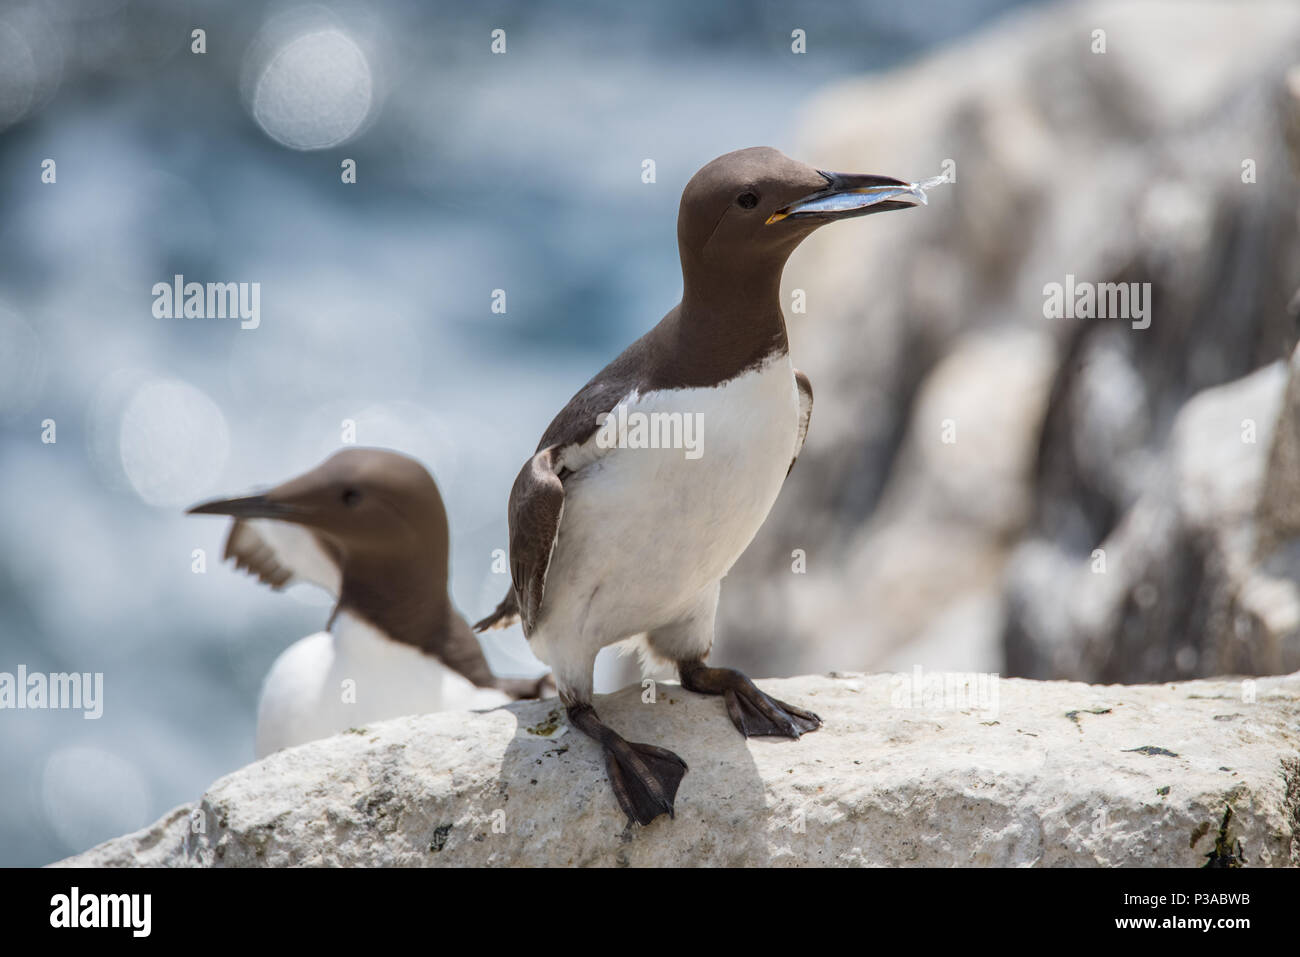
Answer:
(506, 614)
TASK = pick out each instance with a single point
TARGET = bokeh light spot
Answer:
(314, 92)
(173, 442)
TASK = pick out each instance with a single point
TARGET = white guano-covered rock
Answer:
(1029, 773)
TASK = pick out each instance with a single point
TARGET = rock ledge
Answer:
(1037, 773)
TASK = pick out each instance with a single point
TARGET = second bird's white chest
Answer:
(351, 676)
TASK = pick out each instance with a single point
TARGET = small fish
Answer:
(839, 202)
(932, 182)
(870, 195)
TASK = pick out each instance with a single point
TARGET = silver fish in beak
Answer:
(854, 194)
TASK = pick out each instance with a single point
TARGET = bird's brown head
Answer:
(366, 505)
(748, 210)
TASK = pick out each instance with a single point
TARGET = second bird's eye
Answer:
(351, 497)
(747, 200)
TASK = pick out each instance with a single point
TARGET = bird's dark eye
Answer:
(747, 200)
(351, 497)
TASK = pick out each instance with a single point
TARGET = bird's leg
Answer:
(644, 778)
(752, 712)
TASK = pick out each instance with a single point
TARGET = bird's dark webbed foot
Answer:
(644, 778)
(752, 712)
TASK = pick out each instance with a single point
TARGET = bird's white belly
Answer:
(647, 531)
(331, 681)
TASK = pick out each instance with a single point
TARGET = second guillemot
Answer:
(367, 525)
(611, 539)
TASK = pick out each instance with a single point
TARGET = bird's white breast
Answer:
(351, 676)
(646, 531)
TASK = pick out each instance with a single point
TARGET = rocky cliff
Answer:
(908, 769)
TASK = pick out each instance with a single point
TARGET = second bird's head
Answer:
(754, 206)
(363, 504)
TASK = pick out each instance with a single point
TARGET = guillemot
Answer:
(613, 540)
(368, 526)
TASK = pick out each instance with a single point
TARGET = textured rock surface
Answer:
(1123, 166)
(1199, 576)
(1046, 773)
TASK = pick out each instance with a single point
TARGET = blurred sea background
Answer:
(474, 172)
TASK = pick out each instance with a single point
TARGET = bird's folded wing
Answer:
(537, 498)
(535, 511)
(804, 385)
(280, 554)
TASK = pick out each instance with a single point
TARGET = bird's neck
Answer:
(729, 320)
(406, 600)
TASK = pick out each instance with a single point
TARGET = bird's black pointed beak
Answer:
(853, 194)
(251, 506)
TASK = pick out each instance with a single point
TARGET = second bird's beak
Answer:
(853, 194)
(251, 506)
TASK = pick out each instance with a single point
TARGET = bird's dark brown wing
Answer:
(280, 554)
(535, 511)
(805, 413)
(253, 555)
(537, 499)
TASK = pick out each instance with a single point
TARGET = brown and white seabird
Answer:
(612, 538)
(367, 525)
